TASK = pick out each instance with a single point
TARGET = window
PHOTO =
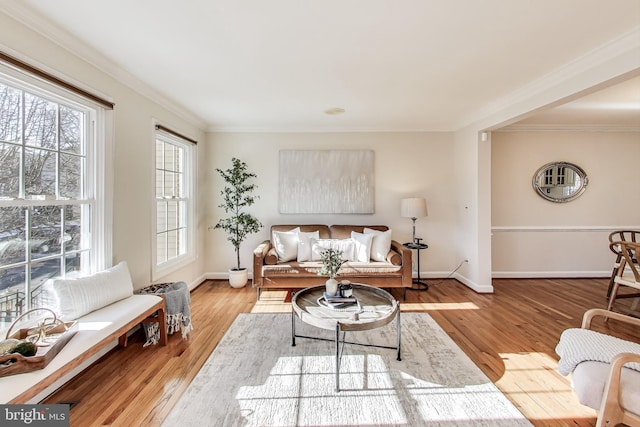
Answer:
(52, 212)
(174, 222)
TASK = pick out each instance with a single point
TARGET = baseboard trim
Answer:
(219, 276)
(197, 282)
(550, 274)
(481, 289)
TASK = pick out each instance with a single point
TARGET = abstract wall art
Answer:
(326, 182)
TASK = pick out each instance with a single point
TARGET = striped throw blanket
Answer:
(579, 345)
(178, 310)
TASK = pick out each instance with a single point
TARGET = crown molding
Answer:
(39, 24)
(561, 228)
(601, 55)
(249, 129)
(567, 128)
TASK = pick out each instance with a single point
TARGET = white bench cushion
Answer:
(93, 328)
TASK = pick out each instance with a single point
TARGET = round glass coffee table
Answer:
(375, 308)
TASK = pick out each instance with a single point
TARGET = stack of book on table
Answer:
(338, 302)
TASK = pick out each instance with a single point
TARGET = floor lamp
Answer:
(415, 208)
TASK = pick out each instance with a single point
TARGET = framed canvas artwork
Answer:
(326, 182)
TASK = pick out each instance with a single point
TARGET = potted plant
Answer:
(331, 263)
(237, 195)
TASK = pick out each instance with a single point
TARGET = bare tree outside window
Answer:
(44, 211)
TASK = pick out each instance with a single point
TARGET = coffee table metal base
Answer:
(339, 343)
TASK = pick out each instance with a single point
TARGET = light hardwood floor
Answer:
(510, 334)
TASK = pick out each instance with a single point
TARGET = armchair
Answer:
(605, 369)
(614, 239)
(628, 272)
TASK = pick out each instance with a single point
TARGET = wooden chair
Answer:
(610, 388)
(628, 272)
(614, 238)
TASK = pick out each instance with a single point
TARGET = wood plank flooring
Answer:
(510, 334)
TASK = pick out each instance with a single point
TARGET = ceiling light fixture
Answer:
(334, 111)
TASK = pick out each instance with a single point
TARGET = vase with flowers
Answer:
(331, 263)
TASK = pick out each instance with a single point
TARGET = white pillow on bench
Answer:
(77, 297)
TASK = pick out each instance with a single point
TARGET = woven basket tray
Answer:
(55, 339)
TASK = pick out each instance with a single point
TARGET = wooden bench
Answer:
(98, 331)
(100, 328)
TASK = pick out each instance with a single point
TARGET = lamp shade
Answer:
(413, 207)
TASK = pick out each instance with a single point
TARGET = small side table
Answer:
(417, 246)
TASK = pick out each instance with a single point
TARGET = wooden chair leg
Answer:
(612, 282)
(614, 293)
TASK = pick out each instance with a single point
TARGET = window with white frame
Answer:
(174, 210)
(52, 210)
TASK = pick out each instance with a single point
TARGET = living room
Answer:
(474, 169)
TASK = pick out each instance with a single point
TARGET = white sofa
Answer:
(105, 308)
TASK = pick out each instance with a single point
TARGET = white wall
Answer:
(406, 165)
(469, 201)
(134, 147)
(533, 237)
(610, 63)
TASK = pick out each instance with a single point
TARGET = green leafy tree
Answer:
(237, 195)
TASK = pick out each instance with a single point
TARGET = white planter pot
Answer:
(238, 278)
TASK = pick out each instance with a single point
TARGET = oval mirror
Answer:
(560, 181)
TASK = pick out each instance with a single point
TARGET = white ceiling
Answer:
(616, 105)
(277, 65)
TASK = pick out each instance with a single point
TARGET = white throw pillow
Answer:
(362, 243)
(380, 245)
(77, 297)
(345, 245)
(304, 244)
(286, 244)
(50, 297)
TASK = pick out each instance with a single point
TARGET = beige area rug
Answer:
(255, 377)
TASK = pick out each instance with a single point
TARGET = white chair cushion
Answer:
(588, 381)
(77, 297)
